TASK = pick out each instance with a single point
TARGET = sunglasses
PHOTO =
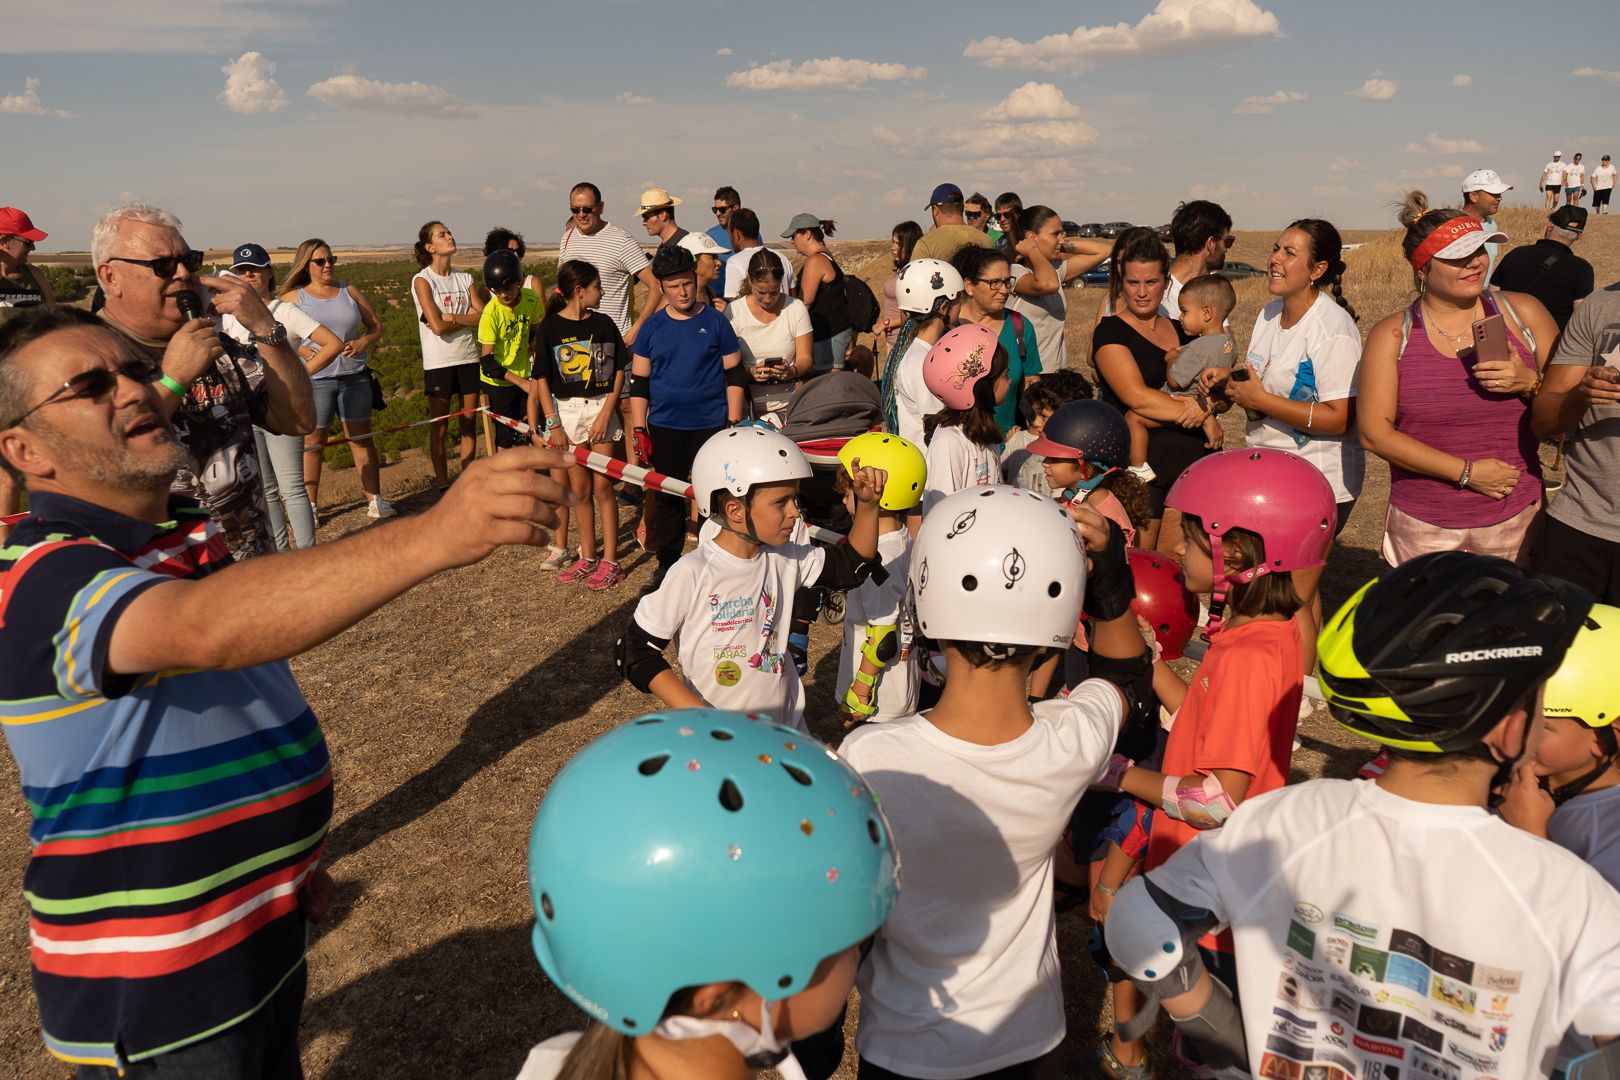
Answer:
(722, 209)
(330, 260)
(28, 245)
(974, 215)
(95, 383)
(582, 211)
(168, 265)
(1228, 241)
(1005, 214)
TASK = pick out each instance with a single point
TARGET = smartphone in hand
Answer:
(1490, 339)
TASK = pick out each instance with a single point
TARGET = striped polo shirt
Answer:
(176, 813)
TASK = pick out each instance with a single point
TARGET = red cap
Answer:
(13, 222)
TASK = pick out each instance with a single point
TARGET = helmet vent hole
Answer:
(721, 734)
(969, 583)
(651, 766)
(545, 906)
(872, 830)
(785, 981)
(645, 720)
(800, 777)
(1055, 589)
(730, 797)
(627, 1022)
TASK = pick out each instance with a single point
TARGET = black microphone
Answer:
(190, 306)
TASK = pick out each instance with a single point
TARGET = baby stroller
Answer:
(831, 408)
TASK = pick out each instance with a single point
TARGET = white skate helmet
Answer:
(923, 283)
(738, 458)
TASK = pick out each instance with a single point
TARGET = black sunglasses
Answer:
(721, 209)
(581, 211)
(95, 383)
(166, 266)
(330, 260)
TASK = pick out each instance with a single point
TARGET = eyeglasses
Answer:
(1228, 240)
(975, 215)
(168, 265)
(28, 245)
(996, 283)
(95, 383)
(330, 260)
(582, 211)
(719, 210)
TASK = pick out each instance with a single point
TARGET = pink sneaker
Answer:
(579, 571)
(606, 575)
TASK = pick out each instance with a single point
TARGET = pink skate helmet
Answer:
(954, 366)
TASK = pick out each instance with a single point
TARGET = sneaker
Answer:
(606, 575)
(1143, 472)
(579, 571)
(555, 558)
(379, 508)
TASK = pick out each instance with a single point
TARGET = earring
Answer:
(735, 1015)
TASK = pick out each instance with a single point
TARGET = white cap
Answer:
(701, 243)
(1558, 153)
(1485, 180)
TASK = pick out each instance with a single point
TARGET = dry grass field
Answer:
(448, 713)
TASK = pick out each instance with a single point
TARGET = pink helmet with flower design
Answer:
(954, 366)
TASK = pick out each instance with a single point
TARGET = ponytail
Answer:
(419, 249)
(573, 275)
(1328, 247)
(602, 1053)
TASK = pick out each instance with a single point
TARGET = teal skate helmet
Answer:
(697, 846)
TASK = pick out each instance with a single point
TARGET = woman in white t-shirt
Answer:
(1298, 384)
(1046, 262)
(447, 309)
(1602, 186)
(1574, 181)
(967, 371)
(762, 906)
(773, 336)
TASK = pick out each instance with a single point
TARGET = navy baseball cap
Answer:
(943, 194)
(250, 255)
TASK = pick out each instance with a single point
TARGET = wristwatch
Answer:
(277, 336)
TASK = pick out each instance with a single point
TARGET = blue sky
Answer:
(357, 121)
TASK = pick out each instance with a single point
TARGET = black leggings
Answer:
(672, 453)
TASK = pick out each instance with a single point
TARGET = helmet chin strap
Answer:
(761, 1049)
(1217, 594)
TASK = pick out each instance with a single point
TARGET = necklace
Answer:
(1455, 339)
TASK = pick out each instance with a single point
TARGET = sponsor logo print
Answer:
(1308, 913)
(1457, 1025)
(1505, 652)
(1363, 931)
(1378, 1046)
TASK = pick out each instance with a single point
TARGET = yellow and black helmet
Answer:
(1433, 654)
(1586, 685)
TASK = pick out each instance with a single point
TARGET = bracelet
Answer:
(1310, 416)
(172, 386)
(1462, 481)
(553, 422)
(1107, 890)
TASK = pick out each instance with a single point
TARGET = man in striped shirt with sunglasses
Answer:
(178, 781)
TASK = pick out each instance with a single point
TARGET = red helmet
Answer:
(1162, 600)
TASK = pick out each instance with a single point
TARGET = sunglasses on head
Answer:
(168, 265)
(95, 383)
(330, 260)
(581, 211)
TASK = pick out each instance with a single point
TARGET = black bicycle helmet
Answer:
(503, 269)
(672, 260)
(1089, 430)
(1432, 655)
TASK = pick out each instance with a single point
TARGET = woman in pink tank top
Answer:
(1464, 471)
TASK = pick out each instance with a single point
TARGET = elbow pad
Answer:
(846, 568)
(1110, 587)
(1195, 800)
(1139, 734)
(637, 386)
(736, 376)
(882, 645)
(640, 657)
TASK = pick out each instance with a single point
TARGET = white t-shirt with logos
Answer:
(1575, 175)
(883, 605)
(956, 462)
(1314, 360)
(1373, 930)
(1552, 174)
(730, 618)
(1046, 315)
(768, 340)
(453, 293)
(1589, 826)
(913, 401)
(1603, 177)
(963, 978)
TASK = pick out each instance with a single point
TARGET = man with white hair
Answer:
(213, 388)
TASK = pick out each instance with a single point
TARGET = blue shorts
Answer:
(1573, 190)
(347, 395)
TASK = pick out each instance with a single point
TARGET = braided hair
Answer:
(1326, 246)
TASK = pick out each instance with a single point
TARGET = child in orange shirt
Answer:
(1249, 516)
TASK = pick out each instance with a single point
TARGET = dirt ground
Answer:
(447, 713)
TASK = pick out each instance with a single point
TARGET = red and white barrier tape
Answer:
(403, 427)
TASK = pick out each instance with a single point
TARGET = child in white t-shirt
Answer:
(877, 667)
(729, 599)
(967, 372)
(1205, 302)
(963, 978)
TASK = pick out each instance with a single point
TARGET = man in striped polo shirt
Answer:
(178, 780)
(618, 258)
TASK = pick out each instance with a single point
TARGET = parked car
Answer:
(1092, 230)
(1070, 228)
(1237, 271)
(1114, 228)
(1097, 275)
(1163, 233)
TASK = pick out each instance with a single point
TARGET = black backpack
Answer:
(861, 303)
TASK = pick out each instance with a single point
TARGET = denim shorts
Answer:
(348, 395)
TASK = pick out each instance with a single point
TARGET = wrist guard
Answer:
(880, 648)
(1110, 587)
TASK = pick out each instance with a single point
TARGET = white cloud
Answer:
(1610, 77)
(627, 98)
(1376, 89)
(1257, 106)
(501, 196)
(1034, 101)
(1345, 164)
(1446, 147)
(833, 73)
(1205, 191)
(1033, 123)
(249, 88)
(27, 103)
(722, 52)
(544, 183)
(449, 200)
(1446, 171)
(1322, 191)
(1462, 80)
(399, 202)
(1174, 26)
(894, 197)
(409, 99)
